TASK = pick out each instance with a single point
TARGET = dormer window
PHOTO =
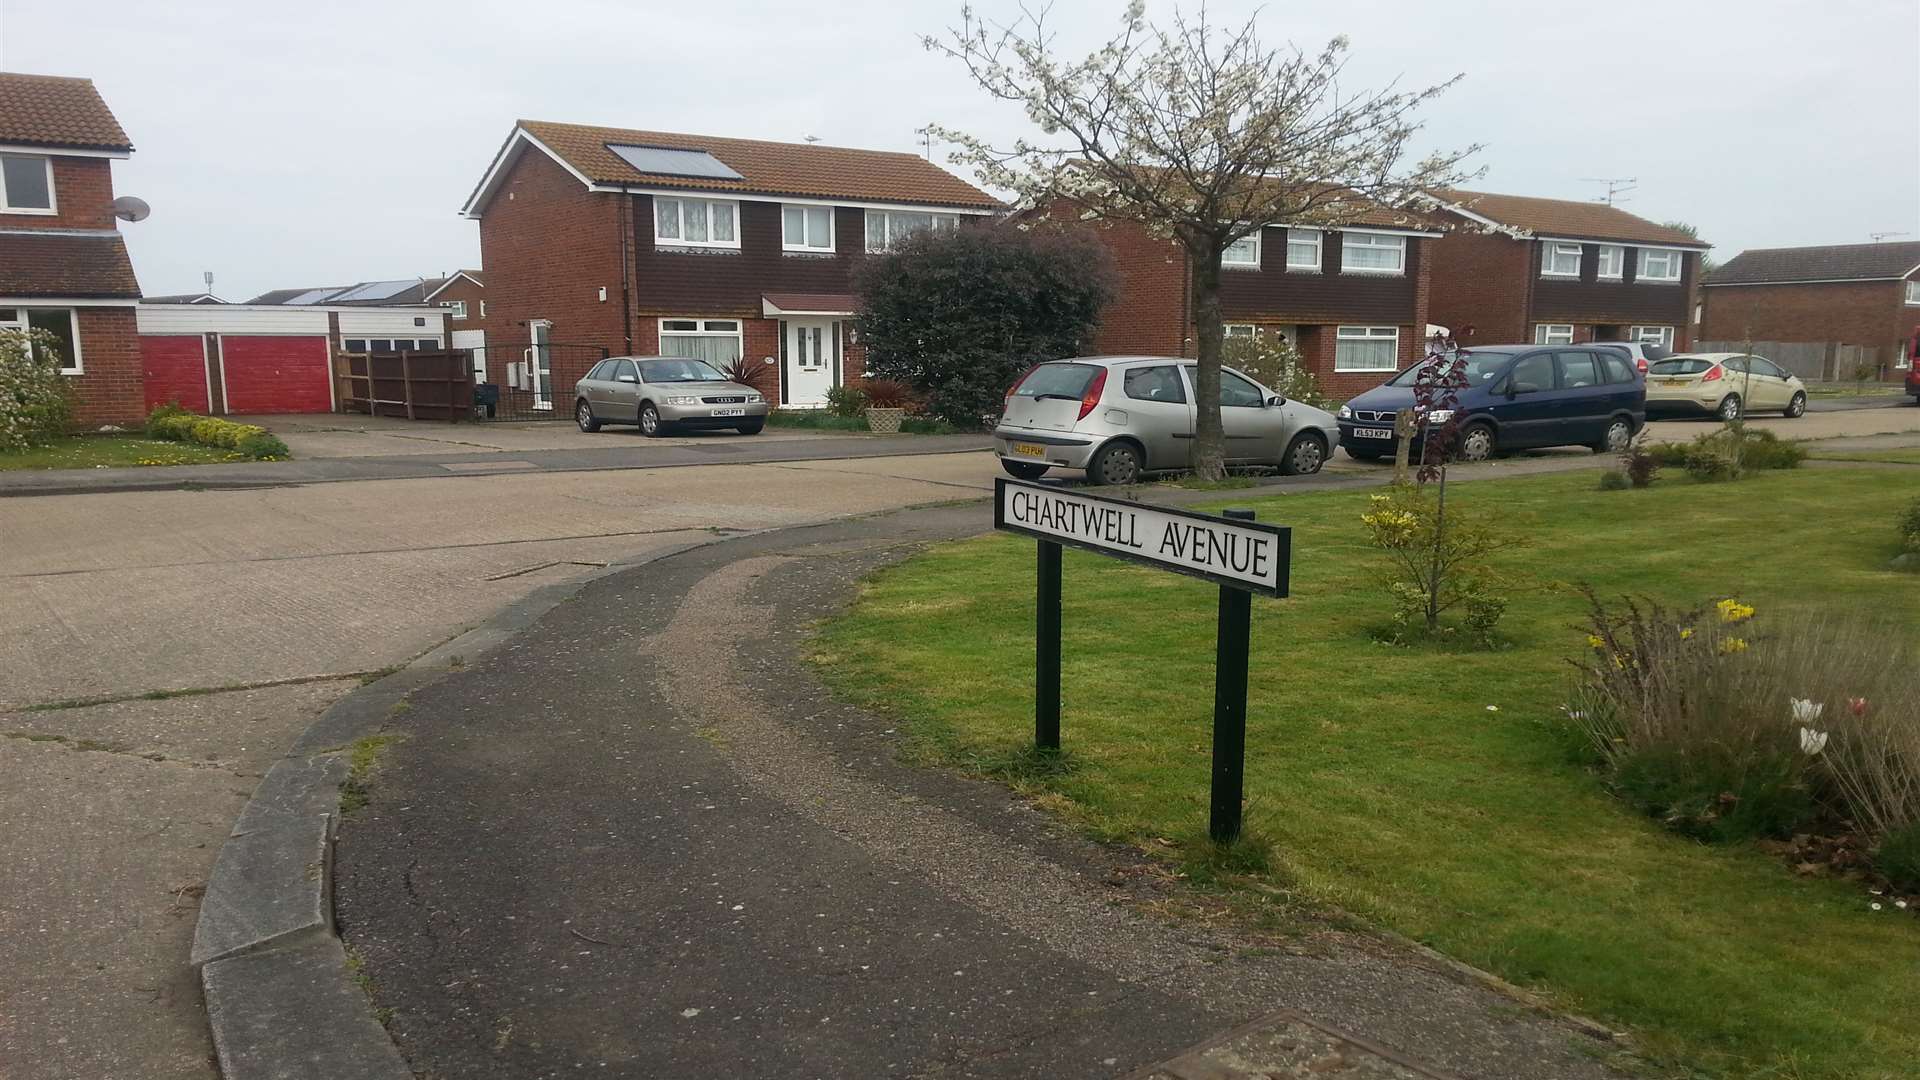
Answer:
(26, 184)
(1560, 260)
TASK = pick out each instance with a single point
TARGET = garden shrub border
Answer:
(174, 423)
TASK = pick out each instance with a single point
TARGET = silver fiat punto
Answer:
(1120, 417)
(662, 392)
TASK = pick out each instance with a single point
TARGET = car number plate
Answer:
(1373, 433)
(1027, 449)
(1673, 382)
(729, 412)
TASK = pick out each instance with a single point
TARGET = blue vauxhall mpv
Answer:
(1518, 396)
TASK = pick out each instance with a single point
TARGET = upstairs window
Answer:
(1659, 264)
(1244, 253)
(1560, 260)
(26, 184)
(885, 228)
(1913, 293)
(1613, 260)
(1303, 250)
(1372, 253)
(806, 228)
(456, 308)
(680, 222)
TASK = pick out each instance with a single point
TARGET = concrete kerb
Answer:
(281, 997)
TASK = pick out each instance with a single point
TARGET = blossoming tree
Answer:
(1201, 134)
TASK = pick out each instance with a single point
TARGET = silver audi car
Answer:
(660, 393)
(1121, 417)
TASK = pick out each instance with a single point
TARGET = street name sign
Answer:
(1232, 550)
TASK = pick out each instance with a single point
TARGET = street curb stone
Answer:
(266, 886)
(292, 1014)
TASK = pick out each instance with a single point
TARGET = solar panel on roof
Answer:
(664, 161)
(376, 290)
(311, 296)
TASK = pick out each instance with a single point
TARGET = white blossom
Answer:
(1811, 741)
(1806, 711)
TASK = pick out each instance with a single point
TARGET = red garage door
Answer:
(174, 367)
(275, 374)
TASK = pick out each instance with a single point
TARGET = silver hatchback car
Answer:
(663, 392)
(1120, 417)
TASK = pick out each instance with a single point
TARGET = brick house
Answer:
(1518, 269)
(464, 294)
(648, 243)
(64, 267)
(1353, 301)
(1848, 294)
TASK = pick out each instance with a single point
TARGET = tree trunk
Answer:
(1209, 437)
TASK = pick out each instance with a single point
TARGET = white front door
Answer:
(540, 361)
(811, 363)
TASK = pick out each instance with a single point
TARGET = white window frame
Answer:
(483, 309)
(833, 228)
(1551, 250)
(1352, 238)
(1366, 334)
(22, 323)
(456, 309)
(1913, 292)
(1315, 237)
(1651, 335)
(1674, 257)
(1229, 263)
(937, 221)
(53, 196)
(1616, 254)
(1553, 333)
(680, 212)
(738, 333)
(1242, 330)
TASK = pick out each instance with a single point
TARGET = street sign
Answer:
(1237, 554)
(1232, 551)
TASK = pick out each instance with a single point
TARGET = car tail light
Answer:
(1713, 374)
(1092, 397)
(1641, 363)
(1016, 385)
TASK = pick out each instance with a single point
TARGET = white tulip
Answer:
(1811, 741)
(1806, 712)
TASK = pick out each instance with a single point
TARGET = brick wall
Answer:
(1148, 315)
(1316, 344)
(1850, 313)
(82, 193)
(110, 389)
(1483, 281)
(464, 290)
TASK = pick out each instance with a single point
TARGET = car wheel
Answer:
(753, 428)
(583, 415)
(1021, 470)
(1476, 444)
(1304, 456)
(1116, 463)
(1619, 435)
(1729, 409)
(650, 423)
(1797, 408)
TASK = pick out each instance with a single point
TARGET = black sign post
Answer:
(1240, 555)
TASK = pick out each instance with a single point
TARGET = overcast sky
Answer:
(324, 143)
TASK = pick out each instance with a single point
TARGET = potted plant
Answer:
(887, 403)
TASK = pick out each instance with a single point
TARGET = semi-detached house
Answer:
(654, 243)
(1517, 269)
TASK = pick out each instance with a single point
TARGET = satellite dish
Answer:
(131, 208)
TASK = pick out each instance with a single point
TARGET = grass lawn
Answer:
(822, 420)
(1824, 390)
(1389, 790)
(97, 451)
(1900, 457)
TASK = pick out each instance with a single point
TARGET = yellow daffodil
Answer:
(1686, 632)
(1733, 611)
(1733, 645)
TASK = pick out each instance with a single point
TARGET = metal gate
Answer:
(535, 385)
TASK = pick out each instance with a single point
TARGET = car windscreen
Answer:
(670, 371)
(1057, 380)
(1685, 365)
(1481, 368)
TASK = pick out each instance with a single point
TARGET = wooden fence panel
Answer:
(430, 384)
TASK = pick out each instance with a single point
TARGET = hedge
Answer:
(249, 440)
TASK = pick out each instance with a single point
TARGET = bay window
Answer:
(806, 228)
(886, 228)
(1303, 250)
(62, 324)
(1366, 348)
(26, 184)
(1244, 253)
(683, 222)
(1372, 253)
(1659, 264)
(1613, 260)
(1560, 260)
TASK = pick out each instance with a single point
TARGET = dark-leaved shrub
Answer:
(1614, 480)
(1718, 794)
(1898, 859)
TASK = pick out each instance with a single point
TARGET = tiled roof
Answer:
(51, 110)
(1568, 218)
(1838, 262)
(77, 265)
(766, 168)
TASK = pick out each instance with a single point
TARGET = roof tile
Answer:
(76, 265)
(1568, 218)
(52, 110)
(1836, 262)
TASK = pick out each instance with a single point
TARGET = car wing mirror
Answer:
(1276, 401)
(628, 378)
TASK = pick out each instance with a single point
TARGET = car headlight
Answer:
(1345, 413)
(682, 401)
(1439, 416)
(755, 399)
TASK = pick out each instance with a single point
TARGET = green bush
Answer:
(1899, 857)
(1614, 480)
(249, 440)
(1909, 525)
(1734, 451)
(1639, 462)
(1669, 455)
(263, 447)
(1711, 463)
(1765, 450)
(846, 401)
(36, 402)
(1715, 794)
(160, 414)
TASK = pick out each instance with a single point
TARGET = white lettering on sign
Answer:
(1239, 553)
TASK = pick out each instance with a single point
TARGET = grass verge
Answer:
(1896, 457)
(113, 451)
(363, 757)
(1387, 788)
